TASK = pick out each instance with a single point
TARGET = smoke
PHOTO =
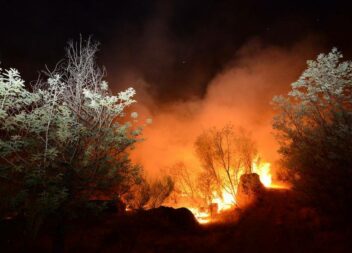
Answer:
(241, 94)
(186, 91)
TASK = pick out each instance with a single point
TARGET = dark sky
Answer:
(177, 46)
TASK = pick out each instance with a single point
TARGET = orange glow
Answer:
(240, 94)
(263, 170)
(227, 201)
(202, 217)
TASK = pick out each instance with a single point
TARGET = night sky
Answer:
(177, 46)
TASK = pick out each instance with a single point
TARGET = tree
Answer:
(225, 154)
(185, 183)
(207, 186)
(159, 191)
(314, 128)
(150, 193)
(64, 141)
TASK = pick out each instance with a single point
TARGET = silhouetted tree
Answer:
(150, 193)
(184, 178)
(225, 154)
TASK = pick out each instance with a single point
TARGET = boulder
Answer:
(250, 190)
(179, 218)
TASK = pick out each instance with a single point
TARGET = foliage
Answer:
(314, 128)
(63, 140)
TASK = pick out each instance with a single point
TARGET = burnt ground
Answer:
(276, 224)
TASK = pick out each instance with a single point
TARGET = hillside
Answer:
(276, 224)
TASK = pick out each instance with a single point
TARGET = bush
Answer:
(314, 128)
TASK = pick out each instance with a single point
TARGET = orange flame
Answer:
(263, 170)
(227, 200)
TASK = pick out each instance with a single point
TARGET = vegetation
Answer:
(185, 181)
(225, 155)
(64, 141)
(150, 193)
(64, 150)
(314, 127)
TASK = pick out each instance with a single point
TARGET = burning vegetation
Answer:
(225, 155)
(66, 146)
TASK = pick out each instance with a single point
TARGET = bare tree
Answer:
(150, 194)
(247, 150)
(205, 185)
(139, 195)
(225, 155)
(159, 191)
(183, 177)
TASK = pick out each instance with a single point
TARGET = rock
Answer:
(250, 190)
(180, 218)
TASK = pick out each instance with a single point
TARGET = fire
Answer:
(227, 201)
(263, 171)
(202, 217)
